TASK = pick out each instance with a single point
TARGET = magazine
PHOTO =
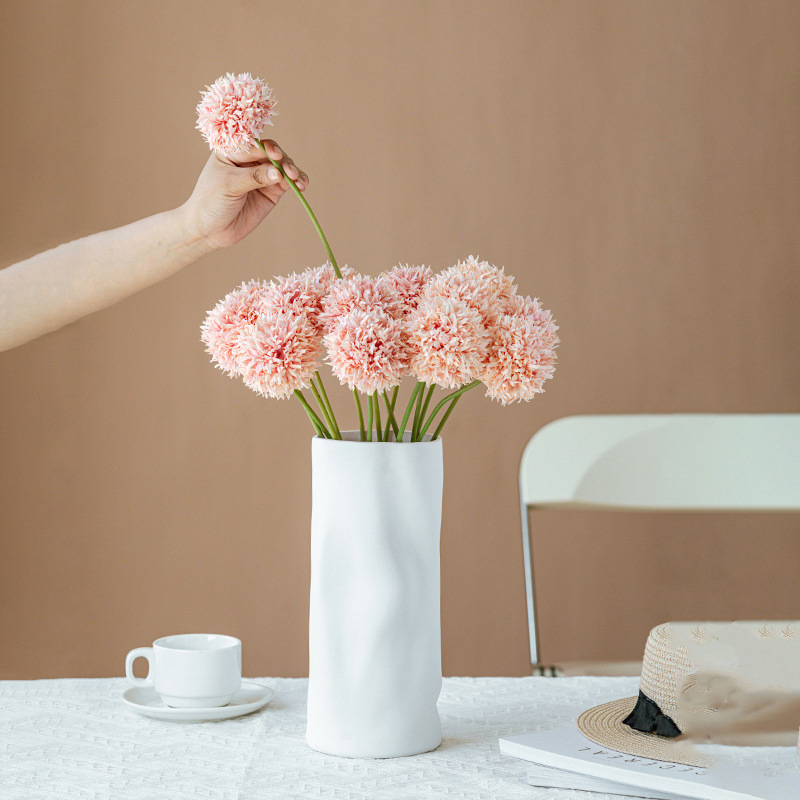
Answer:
(564, 758)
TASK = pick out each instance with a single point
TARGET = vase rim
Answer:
(354, 437)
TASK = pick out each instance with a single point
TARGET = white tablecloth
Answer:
(70, 739)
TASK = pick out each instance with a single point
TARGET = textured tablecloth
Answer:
(75, 739)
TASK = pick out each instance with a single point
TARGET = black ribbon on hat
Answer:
(647, 717)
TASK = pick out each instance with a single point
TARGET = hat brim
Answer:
(603, 725)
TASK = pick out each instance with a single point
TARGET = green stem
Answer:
(315, 420)
(307, 208)
(441, 404)
(320, 432)
(444, 418)
(391, 422)
(378, 427)
(331, 416)
(424, 409)
(417, 420)
(360, 416)
(395, 392)
(321, 405)
(410, 405)
(369, 418)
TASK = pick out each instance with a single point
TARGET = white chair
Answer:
(657, 462)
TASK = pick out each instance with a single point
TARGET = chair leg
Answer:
(527, 560)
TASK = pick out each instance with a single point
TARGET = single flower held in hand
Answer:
(233, 111)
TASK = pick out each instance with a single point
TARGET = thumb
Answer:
(258, 177)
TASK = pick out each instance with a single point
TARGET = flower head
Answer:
(522, 354)
(224, 323)
(302, 293)
(321, 278)
(448, 341)
(405, 285)
(367, 350)
(278, 354)
(480, 285)
(357, 292)
(233, 110)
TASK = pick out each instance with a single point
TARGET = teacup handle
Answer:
(139, 652)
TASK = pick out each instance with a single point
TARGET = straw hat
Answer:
(756, 654)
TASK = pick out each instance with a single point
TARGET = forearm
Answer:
(59, 286)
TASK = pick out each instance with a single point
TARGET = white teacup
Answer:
(191, 670)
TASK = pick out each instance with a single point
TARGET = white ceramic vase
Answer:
(375, 666)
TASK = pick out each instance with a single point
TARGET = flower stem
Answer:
(378, 427)
(322, 407)
(369, 418)
(391, 422)
(453, 395)
(331, 416)
(307, 208)
(424, 409)
(360, 415)
(410, 405)
(417, 419)
(315, 420)
(444, 417)
(395, 392)
(323, 434)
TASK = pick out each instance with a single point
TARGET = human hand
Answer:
(234, 194)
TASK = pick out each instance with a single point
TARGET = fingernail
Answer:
(273, 174)
(278, 150)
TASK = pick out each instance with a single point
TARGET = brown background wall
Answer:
(636, 165)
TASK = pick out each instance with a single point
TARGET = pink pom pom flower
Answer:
(448, 341)
(480, 285)
(522, 354)
(302, 293)
(224, 323)
(357, 292)
(233, 110)
(367, 350)
(405, 285)
(278, 354)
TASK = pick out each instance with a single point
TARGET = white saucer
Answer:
(249, 698)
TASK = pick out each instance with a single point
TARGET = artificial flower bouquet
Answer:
(463, 327)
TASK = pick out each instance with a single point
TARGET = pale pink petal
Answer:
(405, 284)
(225, 322)
(302, 293)
(480, 285)
(449, 341)
(367, 350)
(278, 354)
(522, 354)
(357, 292)
(233, 110)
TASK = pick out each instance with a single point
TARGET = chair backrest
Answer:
(662, 462)
(657, 462)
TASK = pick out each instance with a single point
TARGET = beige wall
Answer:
(636, 165)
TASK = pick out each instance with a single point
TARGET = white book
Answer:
(564, 758)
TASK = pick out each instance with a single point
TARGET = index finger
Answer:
(254, 154)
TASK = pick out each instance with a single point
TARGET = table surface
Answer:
(74, 739)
